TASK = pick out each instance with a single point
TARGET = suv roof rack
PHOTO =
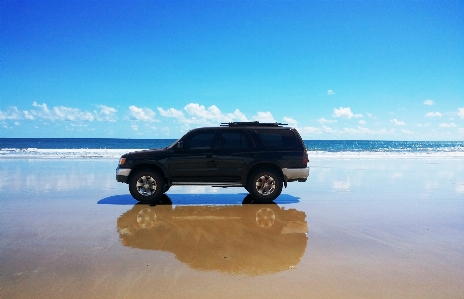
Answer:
(251, 123)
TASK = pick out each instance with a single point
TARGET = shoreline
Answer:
(33, 153)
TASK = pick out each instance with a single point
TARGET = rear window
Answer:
(234, 140)
(277, 138)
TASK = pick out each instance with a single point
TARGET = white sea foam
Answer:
(385, 155)
(34, 153)
(31, 153)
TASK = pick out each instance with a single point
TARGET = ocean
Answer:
(114, 147)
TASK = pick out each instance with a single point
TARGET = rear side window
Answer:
(277, 138)
(234, 140)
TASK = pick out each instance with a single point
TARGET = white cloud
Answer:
(239, 115)
(212, 114)
(11, 114)
(78, 125)
(308, 131)
(290, 121)
(43, 107)
(326, 121)
(59, 113)
(423, 125)
(345, 112)
(304, 131)
(265, 117)
(172, 112)
(397, 122)
(445, 125)
(433, 114)
(106, 113)
(407, 132)
(428, 102)
(328, 130)
(71, 114)
(200, 115)
(331, 92)
(143, 114)
(362, 122)
(28, 115)
(150, 126)
(461, 112)
(367, 131)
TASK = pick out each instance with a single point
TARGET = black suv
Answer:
(258, 156)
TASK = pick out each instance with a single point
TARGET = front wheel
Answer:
(146, 186)
(265, 185)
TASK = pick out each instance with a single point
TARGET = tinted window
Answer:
(277, 138)
(234, 140)
(200, 140)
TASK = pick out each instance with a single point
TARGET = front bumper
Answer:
(122, 174)
(295, 174)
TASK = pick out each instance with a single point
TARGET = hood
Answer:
(146, 153)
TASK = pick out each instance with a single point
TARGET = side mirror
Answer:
(180, 145)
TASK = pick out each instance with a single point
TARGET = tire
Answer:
(265, 185)
(146, 186)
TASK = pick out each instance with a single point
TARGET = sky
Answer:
(335, 70)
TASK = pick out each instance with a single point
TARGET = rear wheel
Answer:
(146, 186)
(265, 185)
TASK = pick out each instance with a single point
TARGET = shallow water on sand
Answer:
(377, 228)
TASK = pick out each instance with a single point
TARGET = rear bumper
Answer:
(295, 174)
(122, 174)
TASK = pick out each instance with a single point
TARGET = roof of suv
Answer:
(251, 124)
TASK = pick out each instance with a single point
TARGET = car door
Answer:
(235, 155)
(196, 159)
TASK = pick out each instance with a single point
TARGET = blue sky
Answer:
(390, 70)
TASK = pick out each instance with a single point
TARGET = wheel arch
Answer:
(259, 166)
(152, 167)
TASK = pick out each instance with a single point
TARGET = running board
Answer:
(222, 185)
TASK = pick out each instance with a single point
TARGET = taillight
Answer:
(305, 158)
(122, 161)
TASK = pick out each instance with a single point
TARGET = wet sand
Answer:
(358, 228)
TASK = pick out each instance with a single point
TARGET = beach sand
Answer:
(358, 228)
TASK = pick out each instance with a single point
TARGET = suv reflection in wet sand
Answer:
(248, 239)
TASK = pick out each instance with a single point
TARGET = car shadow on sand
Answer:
(197, 199)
